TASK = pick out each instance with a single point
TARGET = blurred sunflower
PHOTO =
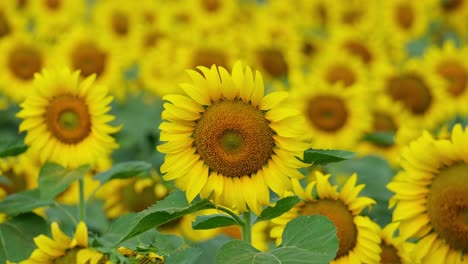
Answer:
(11, 21)
(22, 57)
(66, 119)
(63, 249)
(336, 117)
(18, 174)
(212, 14)
(314, 14)
(261, 239)
(430, 197)
(357, 235)
(394, 248)
(451, 12)
(227, 136)
(354, 15)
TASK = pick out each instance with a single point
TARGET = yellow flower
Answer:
(430, 196)
(228, 139)
(21, 174)
(394, 248)
(61, 249)
(358, 235)
(66, 119)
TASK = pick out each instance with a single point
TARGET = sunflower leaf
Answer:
(305, 238)
(23, 202)
(12, 148)
(380, 138)
(173, 206)
(124, 170)
(325, 156)
(54, 179)
(213, 221)
(282, 206)
(16, 236)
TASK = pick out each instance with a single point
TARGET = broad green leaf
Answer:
(282, 206)
(213, 221)
(16, 236)
(210, 248)
(12, 147)
(186, 256)
(124, 170)
(164, 244)
(54, 179)
(380, 138)
(173, 206)
(306, 239)
(116, 231)
(23, 202)
(325, 156)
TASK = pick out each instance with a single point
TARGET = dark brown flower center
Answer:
(53, 4)
(273, 61)
(151, 38)
(89, 59)
(359, 50)
(209, 57)
(447, 205)
(327, 112)
(404, 15)
(211, 5)
(340, 73)
(309, 49)
(456, 74)
(412, 91)
(337, 212)
(384, 122)
(120, 23)
(451, 5)
(5, 27)
(24, 61)
(14, 182)
(68, 119)
(389, 254)
(352, 16)
(234, 138)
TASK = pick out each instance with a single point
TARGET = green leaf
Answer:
(10, 148)
(213, 221)
(210, 248)
(23, 202)
(164, 244)
(380, 138)
(173, 206)
(282, 206)
(306, 239)
(186, 256)
(325, 156)
(124, 170)
(54, 179)
(16, 236)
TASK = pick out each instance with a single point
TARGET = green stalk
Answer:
(247, 228)
(82, 205)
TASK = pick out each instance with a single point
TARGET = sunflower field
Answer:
(233, 131)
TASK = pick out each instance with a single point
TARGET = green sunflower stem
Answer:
(82, 205)
(247, 227)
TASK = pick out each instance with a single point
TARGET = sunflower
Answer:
(394, 248)
(353, 15)
(454, 13)
(11, 21)
(63, 249)
(212, 14)
(314, 14)
(131, 195)
(227, 136)
(19, 173)
(336, 117)
(261, 239)
(66, 119)
(22, 57)
(358, 235)
(430, 197)
(448, 63)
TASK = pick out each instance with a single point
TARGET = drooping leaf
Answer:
(306, 239)
(10, 148)
(54, 179)
(213, 221)
(16, 236)
(380, 138)
(125, 170)
(325, 156)
(23, 202)
(282, 206)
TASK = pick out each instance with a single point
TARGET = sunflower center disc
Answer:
(24, 61)
(340, 73)
(456, 75)
(359, 50)
(384, 122)
(234, 138)
(120, 23)
(68, 119)
(211, 5)
(337, 212)
(273, 61)
(327, 113)
(89, 59)
(389, 255)
(135, 201)
(53, 4)
(451, 5)
(206, 57)
(404, 15)
(411, 91)
(4, 25)
(447, 205)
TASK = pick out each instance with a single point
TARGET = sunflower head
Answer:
(227, 136)
(66, 117)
